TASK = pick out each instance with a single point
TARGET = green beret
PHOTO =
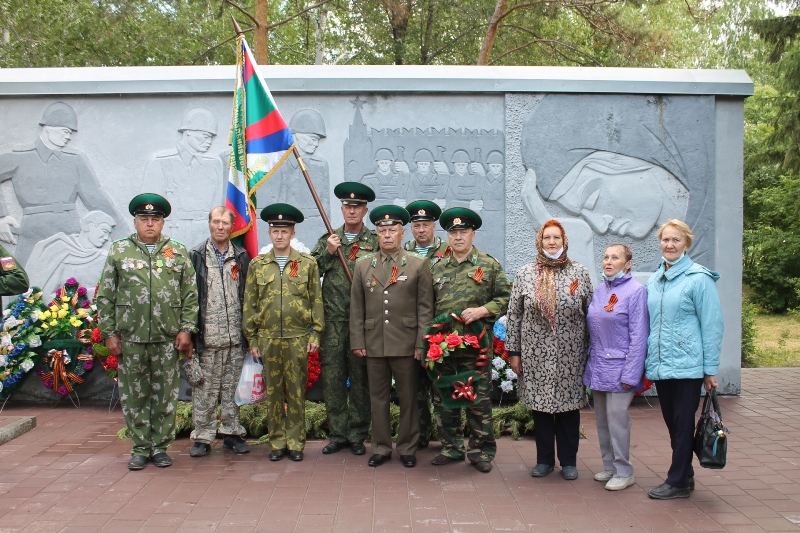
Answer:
(460, 218)
(149, 204)
(389, 215)
(423, 210)
(281, 215)
(354, 193)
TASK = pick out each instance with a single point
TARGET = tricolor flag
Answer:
(260, 141)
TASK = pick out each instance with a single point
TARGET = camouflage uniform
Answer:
(435, 253)
(221, 353)
(282, 314)
(147, 299)
(456, 290)
(13, 278)
(348, 409)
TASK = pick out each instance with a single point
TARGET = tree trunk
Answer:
(491, 32)
(260, 41)
(426, 40)
(319, 36)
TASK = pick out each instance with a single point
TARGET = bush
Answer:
(749, 312)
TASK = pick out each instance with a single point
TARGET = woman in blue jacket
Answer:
(682, 348)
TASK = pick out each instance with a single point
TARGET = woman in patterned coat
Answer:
(547, 342)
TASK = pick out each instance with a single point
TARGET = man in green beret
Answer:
(391, 307)
(282, 321)
(13, 278)
(348, 406)
(147, 311)
(473, 283)
(423, 215)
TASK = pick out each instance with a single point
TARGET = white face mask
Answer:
(554, 256)
(670, 263)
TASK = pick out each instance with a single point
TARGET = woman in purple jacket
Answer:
(618, 327)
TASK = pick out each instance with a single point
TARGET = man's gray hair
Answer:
(222, 209)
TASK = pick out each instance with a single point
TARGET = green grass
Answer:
(777, 341)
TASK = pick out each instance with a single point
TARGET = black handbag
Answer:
(710, 436)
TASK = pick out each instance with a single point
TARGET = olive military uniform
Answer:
(13, 279)
(147, 299)
(456, 289)
(282, 314)
(348, 408)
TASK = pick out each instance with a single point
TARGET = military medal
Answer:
(158, 270)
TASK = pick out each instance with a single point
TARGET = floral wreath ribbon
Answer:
(58, 363)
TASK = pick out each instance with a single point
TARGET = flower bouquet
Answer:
(314, 369)
(19, 338)
(501, 370)
(444, 346)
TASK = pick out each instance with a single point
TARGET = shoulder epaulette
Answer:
(176, 241)
(118, 240)
(367, 256)
(492, 258)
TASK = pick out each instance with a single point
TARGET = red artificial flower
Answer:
(436, 339)
(471, 340)
(97, 337)
(112, 362)
(435, 352)
(453, 340)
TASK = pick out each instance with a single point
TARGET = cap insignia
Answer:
(280, 217)
(352, 195)
(386, 217)
(456, 221)
(149, 207)
(421, 212)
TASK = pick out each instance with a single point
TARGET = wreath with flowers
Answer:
(443, 340)
(314, 369)
(19, 339)
(501, 364)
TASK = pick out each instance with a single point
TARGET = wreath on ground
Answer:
(19, 339)
(443, 346)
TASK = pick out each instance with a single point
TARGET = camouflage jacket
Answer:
(439, 250)
(456, 285)
(335, 285)
(282, 306)
(13, 279)
(144, 297)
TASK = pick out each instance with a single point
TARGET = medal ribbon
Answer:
(611, 302)
(169, 253)
(393, 279)
(235, 272)
(293, 266)
(573, 287)
(353, 251)
(478, 277)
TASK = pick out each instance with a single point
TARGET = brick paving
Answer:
(69, 474)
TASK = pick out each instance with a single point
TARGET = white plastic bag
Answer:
(251, 387)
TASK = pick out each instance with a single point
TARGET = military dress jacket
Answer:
(147, 297)
(335, 285)
(478, 281)
(438, 250)
(287, 305)
(388, 319)
(13, 278)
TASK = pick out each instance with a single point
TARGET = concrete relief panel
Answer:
(614, 168)
(448, 164)
(52, 185)
(189, 176)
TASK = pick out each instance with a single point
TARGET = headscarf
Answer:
(544, 292)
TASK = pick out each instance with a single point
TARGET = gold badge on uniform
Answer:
(8, 263)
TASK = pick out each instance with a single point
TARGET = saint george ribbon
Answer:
(58, 363)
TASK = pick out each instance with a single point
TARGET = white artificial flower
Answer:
(498, 363)
(510, 374)
(35, 315)
(6, 312)
(26, 365)
(35, 341)
(10, 322)
(27, 294)
(1, 386)
(5, 340)
(495, 375)
(3, 360)
(506, 386)
(503, 319)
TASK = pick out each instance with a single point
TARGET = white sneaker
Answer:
(605, 475)
(619, 483)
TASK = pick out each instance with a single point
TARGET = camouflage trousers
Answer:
(348, 409)
(149, 382)
(482, 446)
(221, 370)
(424, 405)
(285, 377)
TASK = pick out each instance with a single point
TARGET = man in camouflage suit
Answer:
(423, 215)
(348, 408)
(283, 320)
(147, 311)
(221, 268)
(473, 282)
(13, 278)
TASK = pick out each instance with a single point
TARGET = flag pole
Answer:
(321, 210)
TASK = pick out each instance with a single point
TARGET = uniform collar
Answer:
(186, 155)
(44, 151)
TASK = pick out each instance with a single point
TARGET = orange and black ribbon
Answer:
(293, 267)
(59, 372)
(353, 251)
(573, 287)
(611, 302)
(393, 279)
(478, 277)
(168, 252)
(235, 272)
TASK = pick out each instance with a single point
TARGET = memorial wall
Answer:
(611, 153)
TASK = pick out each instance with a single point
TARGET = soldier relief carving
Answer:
(452, 167)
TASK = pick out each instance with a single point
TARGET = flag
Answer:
(260, 141)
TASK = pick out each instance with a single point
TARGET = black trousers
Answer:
(562, 428)
(679, 399)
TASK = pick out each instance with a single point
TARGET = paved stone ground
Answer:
(69, 474)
